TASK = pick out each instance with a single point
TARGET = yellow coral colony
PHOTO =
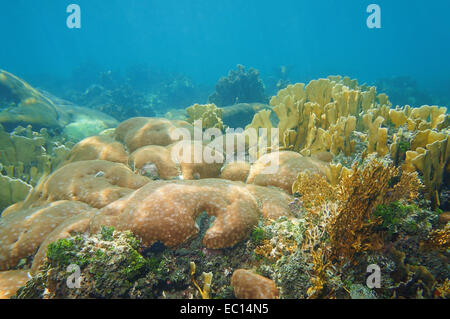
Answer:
(339, 221)
(209, 114)
(320, 116)
(330, 115)
(207, 278)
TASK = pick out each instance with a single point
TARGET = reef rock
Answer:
(247, 285)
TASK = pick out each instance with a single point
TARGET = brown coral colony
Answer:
(343, 151)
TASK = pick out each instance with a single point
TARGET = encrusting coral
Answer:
(236, 171)
(10, 281)
(22, 232)
(196, 159)
(287, 166)
(98, 148)
(248, 285)
(94, 182)
(141, 131)
(166, 211)
(155, 162)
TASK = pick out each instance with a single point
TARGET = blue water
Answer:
(204, 39)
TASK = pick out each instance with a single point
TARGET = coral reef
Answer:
(154, 161)
(12, 190)
(95, 182)
(403, 90)
(166, 212)
(236, 171)
(109, 262)
(118, 101)
(240, 86)
(337, 115)
(144, 214)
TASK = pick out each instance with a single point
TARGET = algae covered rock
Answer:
(108, 264)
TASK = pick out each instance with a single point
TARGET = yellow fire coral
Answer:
(207, 279)
(429, 155)
(12, 190)
(209, 114)
(358, 193)
(320, 116)
(29, 155)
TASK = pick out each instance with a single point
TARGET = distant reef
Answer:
(240, 86)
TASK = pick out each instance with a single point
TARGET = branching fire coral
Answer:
(340, 220)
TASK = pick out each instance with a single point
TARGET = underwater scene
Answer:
(224, 149)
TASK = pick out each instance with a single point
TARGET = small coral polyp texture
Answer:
(349, 166)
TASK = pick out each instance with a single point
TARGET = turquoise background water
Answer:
(206, 38)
